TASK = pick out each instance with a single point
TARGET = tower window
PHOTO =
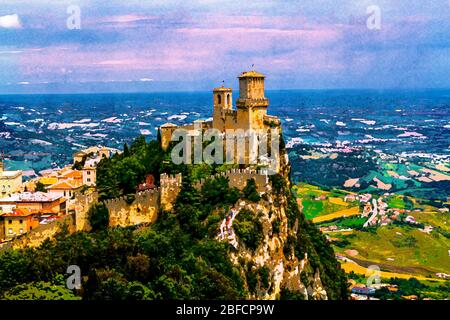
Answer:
(219, 99)
(228, 100)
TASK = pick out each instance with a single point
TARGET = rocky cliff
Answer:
(291, 259)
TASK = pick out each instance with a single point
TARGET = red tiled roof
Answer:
(20, 213)
(65, 185)
(73, 174)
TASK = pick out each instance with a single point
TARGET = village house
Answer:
(79, 156)
(361, 289)
(89, 159)
(34, 201)
(10, 181)
(64, 188)
(89, 172)
(68, 174)
(93, 152)
(17, 222)
(350, 197)
(410, 219)
(365, 197)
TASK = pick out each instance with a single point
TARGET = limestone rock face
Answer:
(284, 270)
(274, 254)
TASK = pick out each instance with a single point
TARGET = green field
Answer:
(434, 218)
(396, 202)
(412, 251)
(313, 207)
(351, 222)
(401, 249)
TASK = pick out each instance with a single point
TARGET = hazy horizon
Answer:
(236, 92)
(193, 46)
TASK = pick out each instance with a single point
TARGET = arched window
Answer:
(219, 99)
(228, 100)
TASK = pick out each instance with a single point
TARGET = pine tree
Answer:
(158, 138)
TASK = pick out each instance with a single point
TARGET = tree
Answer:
(126, 151)
(249, 228)
(158, 137)
(250, 191)
(39, 291)
(409, 205)
(188, 206)
(98, 217)
(40, 187)
(217, 191)
(138, 267)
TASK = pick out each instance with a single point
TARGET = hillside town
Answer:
(25, 205)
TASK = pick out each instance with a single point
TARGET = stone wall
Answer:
(38, 235)
(125, 211)
(170, 187)
(143, 209)
(82, 204)
(238, 178)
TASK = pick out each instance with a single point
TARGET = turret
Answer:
(222, 99)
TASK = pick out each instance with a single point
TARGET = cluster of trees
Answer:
(248, 228)
(161, 262)
(121, 174)
(412, 286)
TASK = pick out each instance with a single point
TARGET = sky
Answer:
(183, 45)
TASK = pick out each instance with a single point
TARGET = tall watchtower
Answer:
(252, 103)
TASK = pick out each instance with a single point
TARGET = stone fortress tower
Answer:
(251, 106)
(250, 112)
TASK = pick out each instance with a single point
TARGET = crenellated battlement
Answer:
(229, 113)
(170, 187)
(170, 180)
(82, 204)
(238, 178)
(143, 207)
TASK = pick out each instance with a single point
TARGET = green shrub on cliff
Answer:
(248, 228)
(250, 191)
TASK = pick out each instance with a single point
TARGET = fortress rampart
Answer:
(238, 178)
(144, 206)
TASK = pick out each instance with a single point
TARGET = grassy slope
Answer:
(414, 253)
(425, 256)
